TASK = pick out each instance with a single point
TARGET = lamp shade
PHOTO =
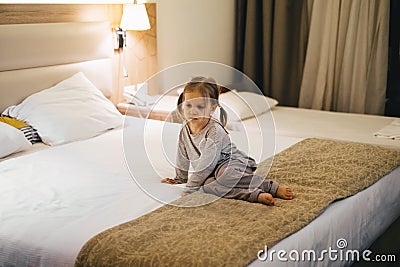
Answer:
(135, 18)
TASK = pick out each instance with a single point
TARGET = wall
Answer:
(191, 30)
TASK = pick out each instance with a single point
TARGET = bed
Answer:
(59, 194)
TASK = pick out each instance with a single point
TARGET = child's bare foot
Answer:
(284, 192)
(170, 181)
(266, 198)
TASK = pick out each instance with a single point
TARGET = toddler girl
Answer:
(218, 167)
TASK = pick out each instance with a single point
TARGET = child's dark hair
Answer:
(208, 88)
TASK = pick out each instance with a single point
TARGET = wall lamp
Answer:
(134, 18)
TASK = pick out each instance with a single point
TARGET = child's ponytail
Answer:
(223, 116)
(179, 107)
(179, 103)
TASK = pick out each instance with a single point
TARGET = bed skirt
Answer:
(231, 232)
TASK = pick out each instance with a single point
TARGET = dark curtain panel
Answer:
(393, 79)
(271, 41)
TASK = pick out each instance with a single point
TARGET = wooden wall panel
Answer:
(140, 53)
(40, 13)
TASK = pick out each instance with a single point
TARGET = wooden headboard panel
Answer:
(37, 56)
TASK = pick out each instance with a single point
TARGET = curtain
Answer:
(271, 41)
(320, 54)
(347, 56)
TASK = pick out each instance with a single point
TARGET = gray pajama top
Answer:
(200, 154)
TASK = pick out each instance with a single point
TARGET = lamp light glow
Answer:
(135, 18)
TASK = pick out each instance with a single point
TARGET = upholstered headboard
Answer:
(34, 57)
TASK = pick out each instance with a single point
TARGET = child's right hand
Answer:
(170, 181)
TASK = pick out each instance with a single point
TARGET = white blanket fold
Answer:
(391, 131)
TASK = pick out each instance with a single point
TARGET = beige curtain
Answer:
(346, 61)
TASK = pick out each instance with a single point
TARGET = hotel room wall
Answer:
(141, 51)
(191, 30)
(140, 56)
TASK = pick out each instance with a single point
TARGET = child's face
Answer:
(196, 107)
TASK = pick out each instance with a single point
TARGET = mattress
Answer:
(55, 199)
(303, 123)
(76, 190)
(35, 147)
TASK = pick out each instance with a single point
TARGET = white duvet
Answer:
(54, 200)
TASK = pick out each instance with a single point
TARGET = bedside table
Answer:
(162, 110)
(135, 111)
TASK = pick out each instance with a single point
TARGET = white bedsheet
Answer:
(303, 123)
(56, 199)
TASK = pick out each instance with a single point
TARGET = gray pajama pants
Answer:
(234, 179)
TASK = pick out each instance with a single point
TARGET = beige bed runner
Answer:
(231, 232)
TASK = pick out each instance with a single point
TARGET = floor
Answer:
(387, 244)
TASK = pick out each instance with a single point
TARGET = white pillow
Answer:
(12, 140)
(245, 105)
(72, 110)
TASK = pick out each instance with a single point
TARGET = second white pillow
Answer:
(12, 140)
(245, 105)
